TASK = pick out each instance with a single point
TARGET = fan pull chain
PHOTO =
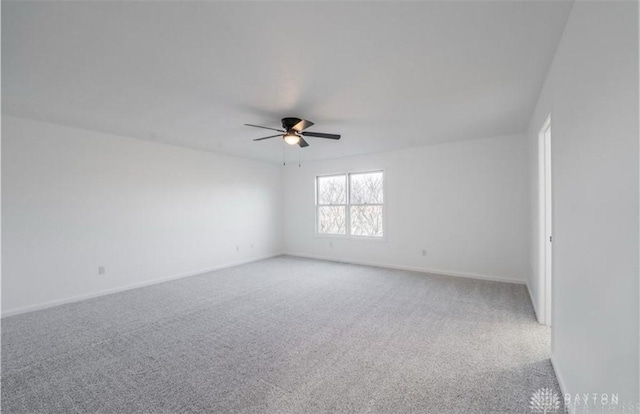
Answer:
(299, 149)
(284, 158)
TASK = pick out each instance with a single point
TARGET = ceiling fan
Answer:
(293, 132)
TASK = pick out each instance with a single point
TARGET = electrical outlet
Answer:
(251, 246)
(102, 270)
(237, 248)
(424, 252)
(330, 244)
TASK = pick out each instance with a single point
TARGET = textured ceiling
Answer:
(385, 75)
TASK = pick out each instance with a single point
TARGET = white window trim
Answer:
(347, 235)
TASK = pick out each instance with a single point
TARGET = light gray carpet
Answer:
(284, 335)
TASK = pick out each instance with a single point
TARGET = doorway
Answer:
(546, 223)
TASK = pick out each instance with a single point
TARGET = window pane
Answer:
(366, 221)
(331, 220)
(332, 190)
(366, 188)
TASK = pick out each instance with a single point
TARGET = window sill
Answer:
(382, 239)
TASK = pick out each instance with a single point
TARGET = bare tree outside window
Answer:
(332, 200)
(351, 204)
(332, 220)
(366, 221)
(332, 190)
(366, 198)
(366, 188)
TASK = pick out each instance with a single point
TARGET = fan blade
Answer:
(320, 135)
(264, 127)
(271, 136)
(302, 125)
(303, 143)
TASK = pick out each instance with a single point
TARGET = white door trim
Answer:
(545, 222)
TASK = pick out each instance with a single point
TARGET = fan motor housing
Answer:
(288, 123)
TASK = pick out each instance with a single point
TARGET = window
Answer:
(350, 204)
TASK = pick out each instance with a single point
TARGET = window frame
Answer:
(347, 207)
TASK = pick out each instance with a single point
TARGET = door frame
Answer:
(545, 223)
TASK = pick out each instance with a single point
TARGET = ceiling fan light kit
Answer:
(293, 132)
(291, 138)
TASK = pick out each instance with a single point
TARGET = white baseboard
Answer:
(79, 298)
(535, 305)
(563, 389)
(412, 268)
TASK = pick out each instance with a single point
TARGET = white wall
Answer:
(592, 94)
(74, 200)
(466, 203)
